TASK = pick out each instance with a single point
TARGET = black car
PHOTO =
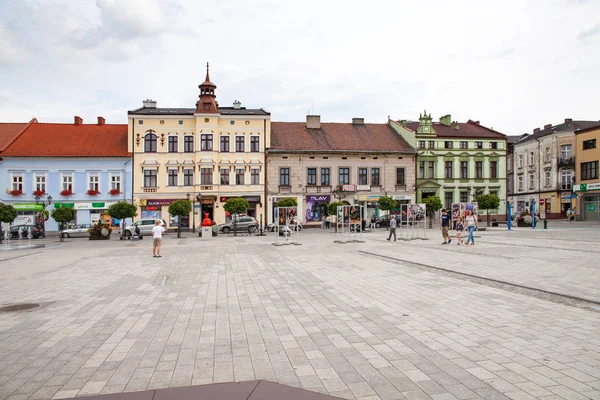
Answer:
(384, 220)
(37, 231)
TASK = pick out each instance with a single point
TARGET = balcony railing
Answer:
(150, 189)
(566, 161)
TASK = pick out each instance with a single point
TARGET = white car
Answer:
(80, 230)
(145, 226)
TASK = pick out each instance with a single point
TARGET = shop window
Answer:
(206, 176)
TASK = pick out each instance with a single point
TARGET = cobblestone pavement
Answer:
(321, 316)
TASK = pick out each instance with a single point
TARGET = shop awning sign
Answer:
(28, 207)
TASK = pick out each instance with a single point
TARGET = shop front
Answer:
(371, 202)
(89, 212)
(254, 203)
(159, 209)
(316, 207)
(273, 203)
(27, 213)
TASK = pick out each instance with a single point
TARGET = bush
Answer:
(287, 202)
(236, 205)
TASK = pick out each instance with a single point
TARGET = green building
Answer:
(457, 161)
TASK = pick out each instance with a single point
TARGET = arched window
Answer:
(150, 143)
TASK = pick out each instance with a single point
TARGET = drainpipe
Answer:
(266, 181)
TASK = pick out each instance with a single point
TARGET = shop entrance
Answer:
(207, 207)
(591, 207)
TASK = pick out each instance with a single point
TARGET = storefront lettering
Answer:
(318, 198)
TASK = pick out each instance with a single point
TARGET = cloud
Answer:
(11, 52)
(589, 34)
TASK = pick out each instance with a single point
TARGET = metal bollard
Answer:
(545, 223)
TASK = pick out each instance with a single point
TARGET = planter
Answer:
(100, 237)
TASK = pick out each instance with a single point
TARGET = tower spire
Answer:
(207, 102)
(207, 80)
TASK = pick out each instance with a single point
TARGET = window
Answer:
(188, 177)
(494, 145)
(206, 142)
(363, 176)
(39, 182)
(400, 177)
(240, 144)
(94, 182)
(431, 169)
(344, 176)
(464, 197)
(284, 177)
(494, 169)
(478, 169)
(447, 144)
(464, 144)
(531, 182)
(464, 169)
(255, 176)
(431, 144)
(548, 178)
(206, 176)
(494, 193)
(508, 163)
(531, 158)
(172, 175)
(479, 145)
(566, 151)
(67, 182)
(520, 183)
(566, 179)
(520, 160)
(225, 144)
(311, 177)
(173, 148)
(421, 144)
(255, 144)
(239, 176)
(150, 178)
(225, 176)
(449, 199)
(548, 154)
(421, 169)
(589, 170)
(115, 182)
(188, 144)
(589, 144)
(325, 173)
(150, 143)
(374, 177)
(448, 169)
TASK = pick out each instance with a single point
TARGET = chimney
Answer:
(358, 121)
(536, 130)
(78, 120)
(568, 120)
(313, 122)
(101, 121)
(446, 120)
(547, 126)
(237, 105)
(149, 103)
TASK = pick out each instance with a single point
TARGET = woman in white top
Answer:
(471, 222)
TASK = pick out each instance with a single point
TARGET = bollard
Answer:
(545, 223)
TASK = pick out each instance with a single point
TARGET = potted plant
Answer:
(93, 192)
(39, 193)
(100, 231)
(114, 192)
(215, 229)
(16, 192)
(66, 192)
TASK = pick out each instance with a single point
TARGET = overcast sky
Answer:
(514, 65)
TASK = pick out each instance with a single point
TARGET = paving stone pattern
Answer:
(321, 316)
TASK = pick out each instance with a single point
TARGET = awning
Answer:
(28, 207)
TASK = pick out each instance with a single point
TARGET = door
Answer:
(591, 210)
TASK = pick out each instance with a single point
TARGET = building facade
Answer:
(356, 163)
(544, 168)
(457, 161)
(587, 144)
(206, 154)
(82, 166)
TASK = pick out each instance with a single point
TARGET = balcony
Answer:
(566, 161)
(150, 189)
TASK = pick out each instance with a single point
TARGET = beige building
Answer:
(206, 154)
(356, 163)
(587, 206)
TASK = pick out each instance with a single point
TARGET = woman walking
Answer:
(471, 221)
(373, 219)
(459, 230)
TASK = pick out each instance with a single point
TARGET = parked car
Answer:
(37, 231)
(296, 225)
(242, 224)
(80, 230)
(145, 225)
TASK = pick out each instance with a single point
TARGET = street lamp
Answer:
(194, 199)
(48, 201)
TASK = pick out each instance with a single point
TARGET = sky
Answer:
(513, 65)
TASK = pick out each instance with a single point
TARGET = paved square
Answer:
(358, 321)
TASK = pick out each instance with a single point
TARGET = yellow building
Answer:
(588, 179)
(206, 154)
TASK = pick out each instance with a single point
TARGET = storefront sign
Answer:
(28, 207)
(313, 199)
(363, 187)
(157, 202)
(84, 206)
(402, 197)
(250, 199)
(349, 188)
(428, 190)
(585, 187)
(364, 197)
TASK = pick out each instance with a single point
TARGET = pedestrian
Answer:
(459, 230)
(445, 225)
(327, 221)
(363, 225)
(568, 214)
(373, 221)
(471, 221)
(392, 228)
(157, 232)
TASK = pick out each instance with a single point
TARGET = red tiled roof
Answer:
(295, 136)
(470, 129)
(9, 131)
(69, 140)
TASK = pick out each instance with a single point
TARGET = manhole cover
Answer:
(19, 307)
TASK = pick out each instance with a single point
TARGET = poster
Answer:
(461, 210)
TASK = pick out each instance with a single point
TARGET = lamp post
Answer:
(195, 198)
(44, 203)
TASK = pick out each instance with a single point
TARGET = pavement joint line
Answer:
(544, 247)
(483, 278)
(22, 255)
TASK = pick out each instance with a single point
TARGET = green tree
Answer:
(180, 208)
(287, 202)
(122, 210)
(386, 203)
(332, 210)
(487, 202)
(432, 204)
(7, 214)
(236, 205)
(63, 215)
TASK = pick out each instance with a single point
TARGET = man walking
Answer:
(392, 228)
(157, 232)
(444, 226)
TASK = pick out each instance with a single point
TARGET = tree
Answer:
(7, 214)
(487, 202)
(386, 203)
(332, 210)
(236, 205)
(433, 204)
(62, 215)
(287, 202)
(122, 210)
(180, 208)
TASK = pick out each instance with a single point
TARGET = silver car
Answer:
(145, 226)
(243, 224)
(77, 231)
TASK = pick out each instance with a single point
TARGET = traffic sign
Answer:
(542, 201)
(573, 195)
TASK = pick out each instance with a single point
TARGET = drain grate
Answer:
(19, 307)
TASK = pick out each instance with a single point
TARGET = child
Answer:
(459, 228)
